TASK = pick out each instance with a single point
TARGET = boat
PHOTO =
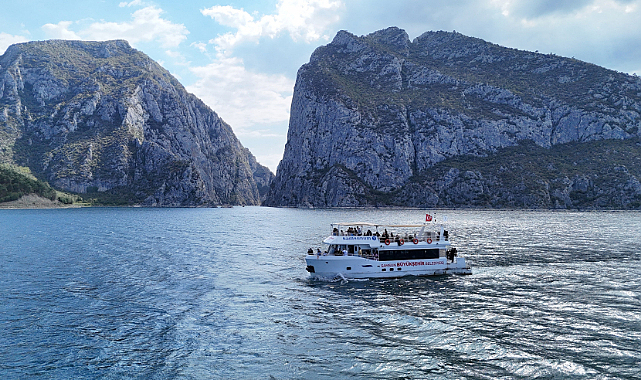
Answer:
(359, 250)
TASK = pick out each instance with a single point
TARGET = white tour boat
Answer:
(366, 250)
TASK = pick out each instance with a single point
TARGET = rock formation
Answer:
(381, 120)
(105, 119)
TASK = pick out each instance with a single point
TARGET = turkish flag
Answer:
(428, 217)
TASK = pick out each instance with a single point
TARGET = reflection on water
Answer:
(223, 293)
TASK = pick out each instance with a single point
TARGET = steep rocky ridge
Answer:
(105, 119)
(373, 118)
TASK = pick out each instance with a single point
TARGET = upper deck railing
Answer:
(426, 236)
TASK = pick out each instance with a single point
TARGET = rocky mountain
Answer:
(448, 120)
(105, 120)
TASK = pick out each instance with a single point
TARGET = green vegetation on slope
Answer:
(607, 169)
(15, 183)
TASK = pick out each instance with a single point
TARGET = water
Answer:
(130, 293)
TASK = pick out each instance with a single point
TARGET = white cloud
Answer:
(604, 32)
(242, 98)
(255, 104)
(60, 31)
(305, 20)
(533, 9)
(200, 46)
(133, 3)
(229, 16)
(271, 160)
(7, 40)
(146, 25)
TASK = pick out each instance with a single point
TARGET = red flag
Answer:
(428, 217)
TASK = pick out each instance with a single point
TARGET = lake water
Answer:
(135, 293)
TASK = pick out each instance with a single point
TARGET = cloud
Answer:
(146, 25)
(200, 46)
(604, 32)
(7, 40)
(533, 9)
(60, 31)
(305, 20)
(257, 104)
(134, 3)
(271, 160)
(537, 8)
(242, 98)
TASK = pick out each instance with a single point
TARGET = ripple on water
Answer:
(223, 293)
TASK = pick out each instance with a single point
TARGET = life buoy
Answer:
(415, 241)
(386, 241)
(401, 242)
(429, 241)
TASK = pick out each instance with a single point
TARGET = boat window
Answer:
(349, 268)
(407, 254)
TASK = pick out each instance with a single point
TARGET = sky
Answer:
(241, 57)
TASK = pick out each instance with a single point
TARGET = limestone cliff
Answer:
(381, 120)
(103, 119)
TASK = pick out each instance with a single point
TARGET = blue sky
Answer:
(241, 57)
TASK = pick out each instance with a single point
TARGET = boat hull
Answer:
(355, 267)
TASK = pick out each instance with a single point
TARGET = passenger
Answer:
(451, 254)
(359, 232)
(310, 251)
(377, 234)
(342, 233)
(318, 253)
(369, 233)
(345, 252)
(335, 231)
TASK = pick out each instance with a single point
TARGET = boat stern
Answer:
(458, 266)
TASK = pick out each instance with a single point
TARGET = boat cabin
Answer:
(386, 242)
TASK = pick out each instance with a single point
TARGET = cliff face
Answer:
(381, 120)
(103, 118)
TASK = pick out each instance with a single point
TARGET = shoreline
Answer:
(32, 201)
(35, 202)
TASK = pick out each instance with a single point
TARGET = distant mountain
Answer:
(105, 120)
(448, 120)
